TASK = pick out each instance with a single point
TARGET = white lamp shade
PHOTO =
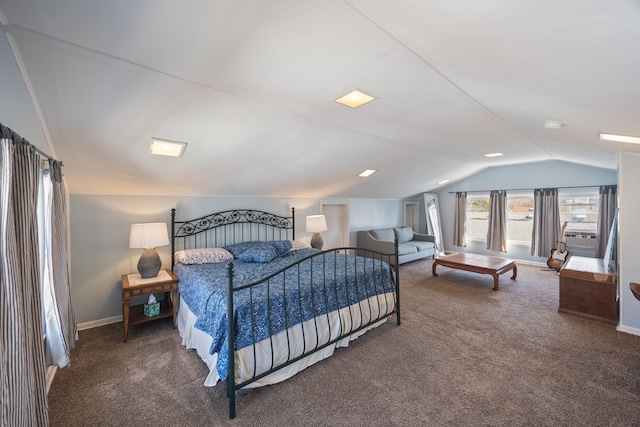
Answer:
(148, 235)
(316, 223)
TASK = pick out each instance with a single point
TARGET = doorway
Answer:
(411, 215)
(337, 216)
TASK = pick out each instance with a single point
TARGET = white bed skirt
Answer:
(326, 325)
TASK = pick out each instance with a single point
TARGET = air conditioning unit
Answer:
(580, 243)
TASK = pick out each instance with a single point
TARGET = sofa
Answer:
(411, 245)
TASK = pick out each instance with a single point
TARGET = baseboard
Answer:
(629, 330)
(99, 322)
(51, 373)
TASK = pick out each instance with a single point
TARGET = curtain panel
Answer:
(460, 220)
(497, 229)
(34, 278)
(606, 212)
(23, 372)
(546, 222)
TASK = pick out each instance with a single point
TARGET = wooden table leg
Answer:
(496, 281)
(433, 269)
(515, 272)
(174, 303)
(125, 319)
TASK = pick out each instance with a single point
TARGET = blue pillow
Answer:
(282, 246)
(238, 248)
(262, 254)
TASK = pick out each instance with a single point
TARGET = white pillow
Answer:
(297, 244)
(203, 256)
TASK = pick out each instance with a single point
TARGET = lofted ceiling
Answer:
(250, 86)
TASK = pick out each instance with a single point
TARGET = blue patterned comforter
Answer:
(328, 281)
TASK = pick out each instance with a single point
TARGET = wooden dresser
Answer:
(589, 289)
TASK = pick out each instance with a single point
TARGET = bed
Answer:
(259, 306)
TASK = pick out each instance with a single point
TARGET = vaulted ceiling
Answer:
(251, 85)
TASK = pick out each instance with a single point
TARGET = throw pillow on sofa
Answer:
(384, 234)
(403, 234)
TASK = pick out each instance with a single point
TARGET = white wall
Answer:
(100, 234)
(629, 238)
(544, 174)
(16, 109)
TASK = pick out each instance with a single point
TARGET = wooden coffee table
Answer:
(478, 264)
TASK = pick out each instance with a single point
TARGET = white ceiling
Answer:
(250, 86)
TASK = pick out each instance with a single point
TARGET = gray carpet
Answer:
(464, 355)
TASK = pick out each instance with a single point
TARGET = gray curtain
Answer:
(22, 364)
(460, 220)
(497, 230)
(546, 222)
(60, 324)
(606, 212)
(60, 256)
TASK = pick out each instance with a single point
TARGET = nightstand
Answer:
(134, 286)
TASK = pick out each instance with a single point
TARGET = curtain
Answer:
(60, 325)
(606, 212)
(497, 230)
(22, 364)
(460, 220)
(546, 222)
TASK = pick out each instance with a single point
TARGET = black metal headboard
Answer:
(227, 227)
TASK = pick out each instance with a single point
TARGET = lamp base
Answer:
(316, 241)
(149, 263)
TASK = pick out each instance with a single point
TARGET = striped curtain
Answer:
(460, 220)
(60, 325)
(546, 222)
(497, 230)
(22, 364)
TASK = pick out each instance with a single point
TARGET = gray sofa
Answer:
(411, 245)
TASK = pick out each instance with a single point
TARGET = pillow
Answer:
(237, 248)
(281, 246)
(404, 234)
(203, 256)
(297, 244)
(261, 254)
(384, 234)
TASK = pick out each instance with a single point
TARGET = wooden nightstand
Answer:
(133, 286)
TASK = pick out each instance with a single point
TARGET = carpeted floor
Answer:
(464, 355)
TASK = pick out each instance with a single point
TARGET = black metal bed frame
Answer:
(232, 226)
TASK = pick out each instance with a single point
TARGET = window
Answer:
(579, 207)
(477, 216)
(519, 217)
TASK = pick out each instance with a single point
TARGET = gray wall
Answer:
(553, 173)
(100, 236)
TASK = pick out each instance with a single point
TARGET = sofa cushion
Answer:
(405, 249)
(422, 246)
(403, 234)
(384, 234)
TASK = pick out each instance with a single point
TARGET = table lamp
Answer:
(149, 236)
(316, 224)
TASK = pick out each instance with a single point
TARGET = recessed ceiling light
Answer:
(367, 173)
(355, 98)
(494, 155)
(161, 147)
(553, 124)
(444, 181)
(620, 138)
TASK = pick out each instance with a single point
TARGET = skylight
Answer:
(161, 147)
(355, 99)
(367, 173)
